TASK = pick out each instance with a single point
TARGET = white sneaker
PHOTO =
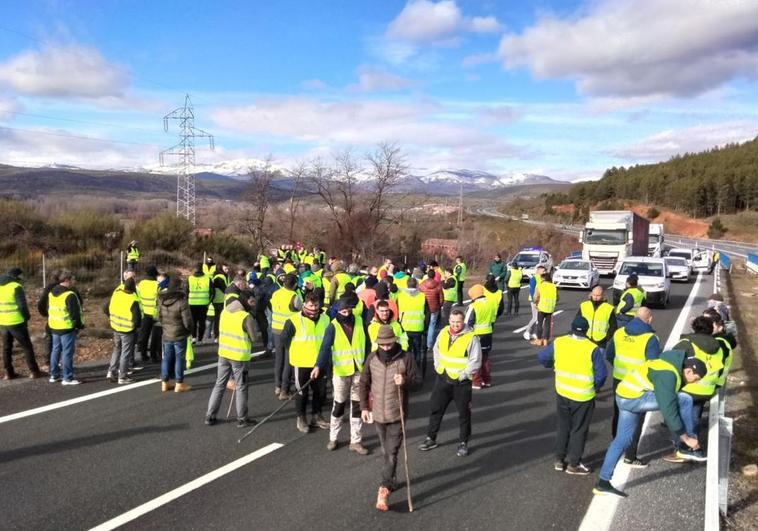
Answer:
(53, 379)
(71, 382)
(526, 336)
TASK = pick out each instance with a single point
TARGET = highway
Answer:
(142, 459)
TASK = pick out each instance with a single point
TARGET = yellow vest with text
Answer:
(453, 358)
(411, 308)
(280, 308)
(714, 361)
(636, 383)
(548, 297)
(347, 355)
(199, 290)
(120, 310)
(233, 342)
(147, 291)
(132, 255)
(637, 295)
(574, 373)
(630, 352)
(10, 314)
(306, 342)
(598, 318)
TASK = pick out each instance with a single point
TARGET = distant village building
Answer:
(438, 248)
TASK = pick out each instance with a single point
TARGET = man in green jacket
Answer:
(499, 270)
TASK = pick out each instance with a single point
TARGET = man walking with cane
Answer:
(388, 374)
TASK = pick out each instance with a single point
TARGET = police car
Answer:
(576, 273)
(529, 258)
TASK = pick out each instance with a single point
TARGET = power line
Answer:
(75, 120)
(80, 137)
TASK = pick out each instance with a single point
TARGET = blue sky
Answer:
(565, 88)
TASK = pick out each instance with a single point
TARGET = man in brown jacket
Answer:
(385, 370)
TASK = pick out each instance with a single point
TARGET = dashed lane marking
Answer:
(519, 330)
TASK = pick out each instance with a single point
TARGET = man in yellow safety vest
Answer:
(65, 319)
(480, 315)
(546, 298)
(285, 302)
(579, 373)
(630, 301)
(125, 316)
(199, 293)
(411, 305)
(14, 315)
(600, 315)
(148, 342)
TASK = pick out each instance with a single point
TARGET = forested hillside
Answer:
(718, 181)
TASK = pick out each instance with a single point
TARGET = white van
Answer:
(652, 275)
(699, 260)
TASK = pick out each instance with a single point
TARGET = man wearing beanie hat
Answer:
(14, 316)
(579, 372)
(386, 369)
(344, 348)
(480, 315)
(655, 386)
(147, 290)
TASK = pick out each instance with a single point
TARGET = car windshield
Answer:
(575, 265)
(602, 236)
(527, 260)
(642, 269)
(681, 254)
(653, 239)
(676, 262)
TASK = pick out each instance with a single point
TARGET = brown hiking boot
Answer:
(331, 445)
(166, 386)
(302, 425)
(181, 387)
(284, 395)
(358, 448)
(319, 422)
(383, 499)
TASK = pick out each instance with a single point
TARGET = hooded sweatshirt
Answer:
(637, 327)
(174, 315)
(18, 295)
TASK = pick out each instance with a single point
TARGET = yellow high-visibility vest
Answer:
(548, 297)
(484, 315)
(574, 373)
(494, 299)
(411, 308)
(306, 342)
(400, 335)
(714, 361)
(120, 310)
(57, 311)
(630, 352)
(280, 308)
(10, 313)
(347, 355)
(453, 359)
(598, 318)
(514, 281)
(636, 383)
(637, 295)
(147, 291)
(233, 341)
(199, 290)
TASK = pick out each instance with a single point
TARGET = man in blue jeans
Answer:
(654, 386)
(64, 320)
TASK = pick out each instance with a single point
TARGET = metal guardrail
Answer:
(752, 262)
(719, 450)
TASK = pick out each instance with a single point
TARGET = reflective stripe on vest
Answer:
(133, 255)
(57, 311)
(10, 314)
(411, 308)
(347, 355)
(280, 308)
(233, 341)
(494, 300)
(714, 361)
(599, 319)
(120, 310)
(630, 352)
(453, 359)
(483, 314)
(211, 311)
(728, 356)
(548, 297)
(574, 373)
(147, 291)
(400, 335)
(637, 295)
(514, 281)
(306, 342)
(199, 290)
(636, 383)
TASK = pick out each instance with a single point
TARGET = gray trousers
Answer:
(122, 358)
(532, 322)
(238, 371)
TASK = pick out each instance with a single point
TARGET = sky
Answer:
(559, 88)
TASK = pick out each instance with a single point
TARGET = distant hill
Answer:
(722, 180)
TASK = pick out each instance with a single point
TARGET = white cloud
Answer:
(376, 80)
(64, 72)
(665, 144)
(499, 114)
(8, 106)
(478, 59)
(423, 21)
(314, 84)
(483, 25)
(642, 48)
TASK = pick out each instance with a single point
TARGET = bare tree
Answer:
(258, 189)
(387, 166)
(297, 174)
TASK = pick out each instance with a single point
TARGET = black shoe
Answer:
(462, 450)
(210, 421)
(244, 423)
(604, 488)
(428, 444)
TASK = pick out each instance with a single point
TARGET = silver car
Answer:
(678, 268)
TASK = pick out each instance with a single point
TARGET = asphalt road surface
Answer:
(146, 459)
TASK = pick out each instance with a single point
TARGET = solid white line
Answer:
(602, 509)
(100, 394)
(519, 330)
(185, 489)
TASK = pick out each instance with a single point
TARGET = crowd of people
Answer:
(369, 332)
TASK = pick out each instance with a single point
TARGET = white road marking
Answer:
(519, 330)
(100, 394)
(185, 489)
(602, 509)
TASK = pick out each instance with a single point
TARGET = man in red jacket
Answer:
(432, 290)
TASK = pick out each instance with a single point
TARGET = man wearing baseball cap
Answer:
(655, 386)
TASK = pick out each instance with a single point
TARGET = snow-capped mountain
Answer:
(235, 168)
(450, 181)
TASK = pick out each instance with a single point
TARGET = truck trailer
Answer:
(610, 236)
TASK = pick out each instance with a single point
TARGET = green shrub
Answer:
(653, 213)
(747, 218)
(224, 247)
(86, 229)
(716, 229)
(165, 231)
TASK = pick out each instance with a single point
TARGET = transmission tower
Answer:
(185, 153)
(460, 206)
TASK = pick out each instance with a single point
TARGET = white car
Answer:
(700, 260)
(678, 268)
(652, 277)
(530, 258)
(576, 274)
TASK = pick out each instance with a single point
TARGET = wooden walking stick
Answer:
(231, 401)
(405, 450)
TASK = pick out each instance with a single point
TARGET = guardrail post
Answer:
(725, 441)
(713, 467)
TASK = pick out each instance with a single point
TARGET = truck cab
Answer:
(610, 236)
(655, 240)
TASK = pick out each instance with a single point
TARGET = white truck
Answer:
(655, 240)
(610, 236)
